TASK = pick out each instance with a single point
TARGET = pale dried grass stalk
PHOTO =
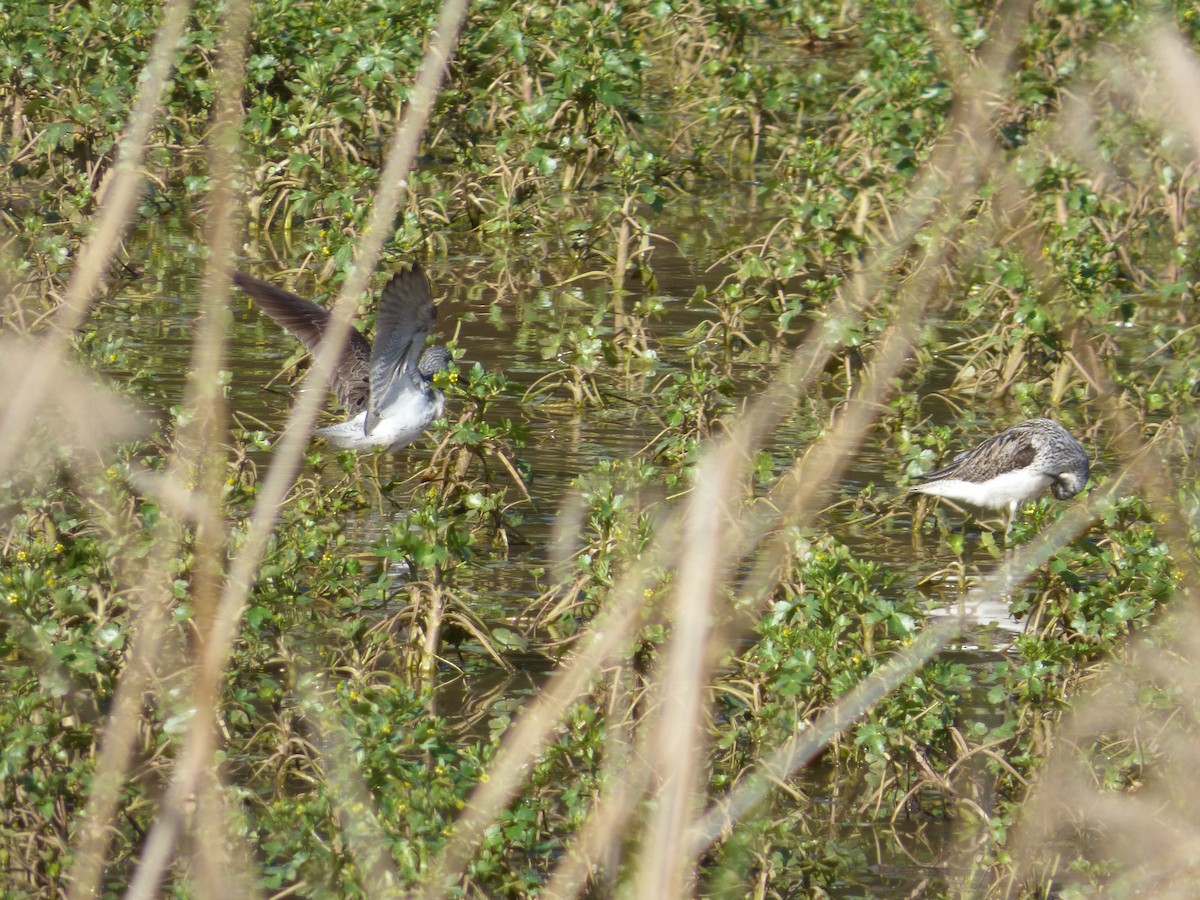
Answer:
(613, 629)
(677, 745)
(198, 457)
(672, 735)
(1149, 830)
(201, 450)
(196, 751)
(805, 745)
(116, 211)
(357, 815)
(951, 175)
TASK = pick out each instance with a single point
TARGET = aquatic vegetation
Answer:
(727, 277)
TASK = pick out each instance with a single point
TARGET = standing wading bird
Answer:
(387, 388)
(1014, 466)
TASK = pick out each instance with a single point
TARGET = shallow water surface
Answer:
(503, 327)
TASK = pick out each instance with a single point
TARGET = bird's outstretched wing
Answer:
(308, 322)
(406, 316)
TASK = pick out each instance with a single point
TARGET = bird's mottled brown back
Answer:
(1009, 450)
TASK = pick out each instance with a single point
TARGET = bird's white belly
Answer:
(999, 492)
(401, 424)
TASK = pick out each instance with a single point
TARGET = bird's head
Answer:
(432, 361)
(1068, 484)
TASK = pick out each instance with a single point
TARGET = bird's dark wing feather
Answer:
(1011, 449)
(406, 316)
(308, 322)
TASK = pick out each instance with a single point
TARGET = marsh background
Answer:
(650, 613)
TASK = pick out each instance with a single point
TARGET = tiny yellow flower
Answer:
(13, 599)
(59, 548)
(20, 556)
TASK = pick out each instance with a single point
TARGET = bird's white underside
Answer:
(401, 424)
(1000, 492)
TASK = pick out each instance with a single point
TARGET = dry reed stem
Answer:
(677, 734)
(357, 815)
(83, 417)
(196, 751)
(201, 452)
(811, 479)
(198, 458)
(665, 867)
(803, 748)
(611, 632)
(624, 779)
(1141, 828)
(116, 211)
(151, 603)
(798, 497)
